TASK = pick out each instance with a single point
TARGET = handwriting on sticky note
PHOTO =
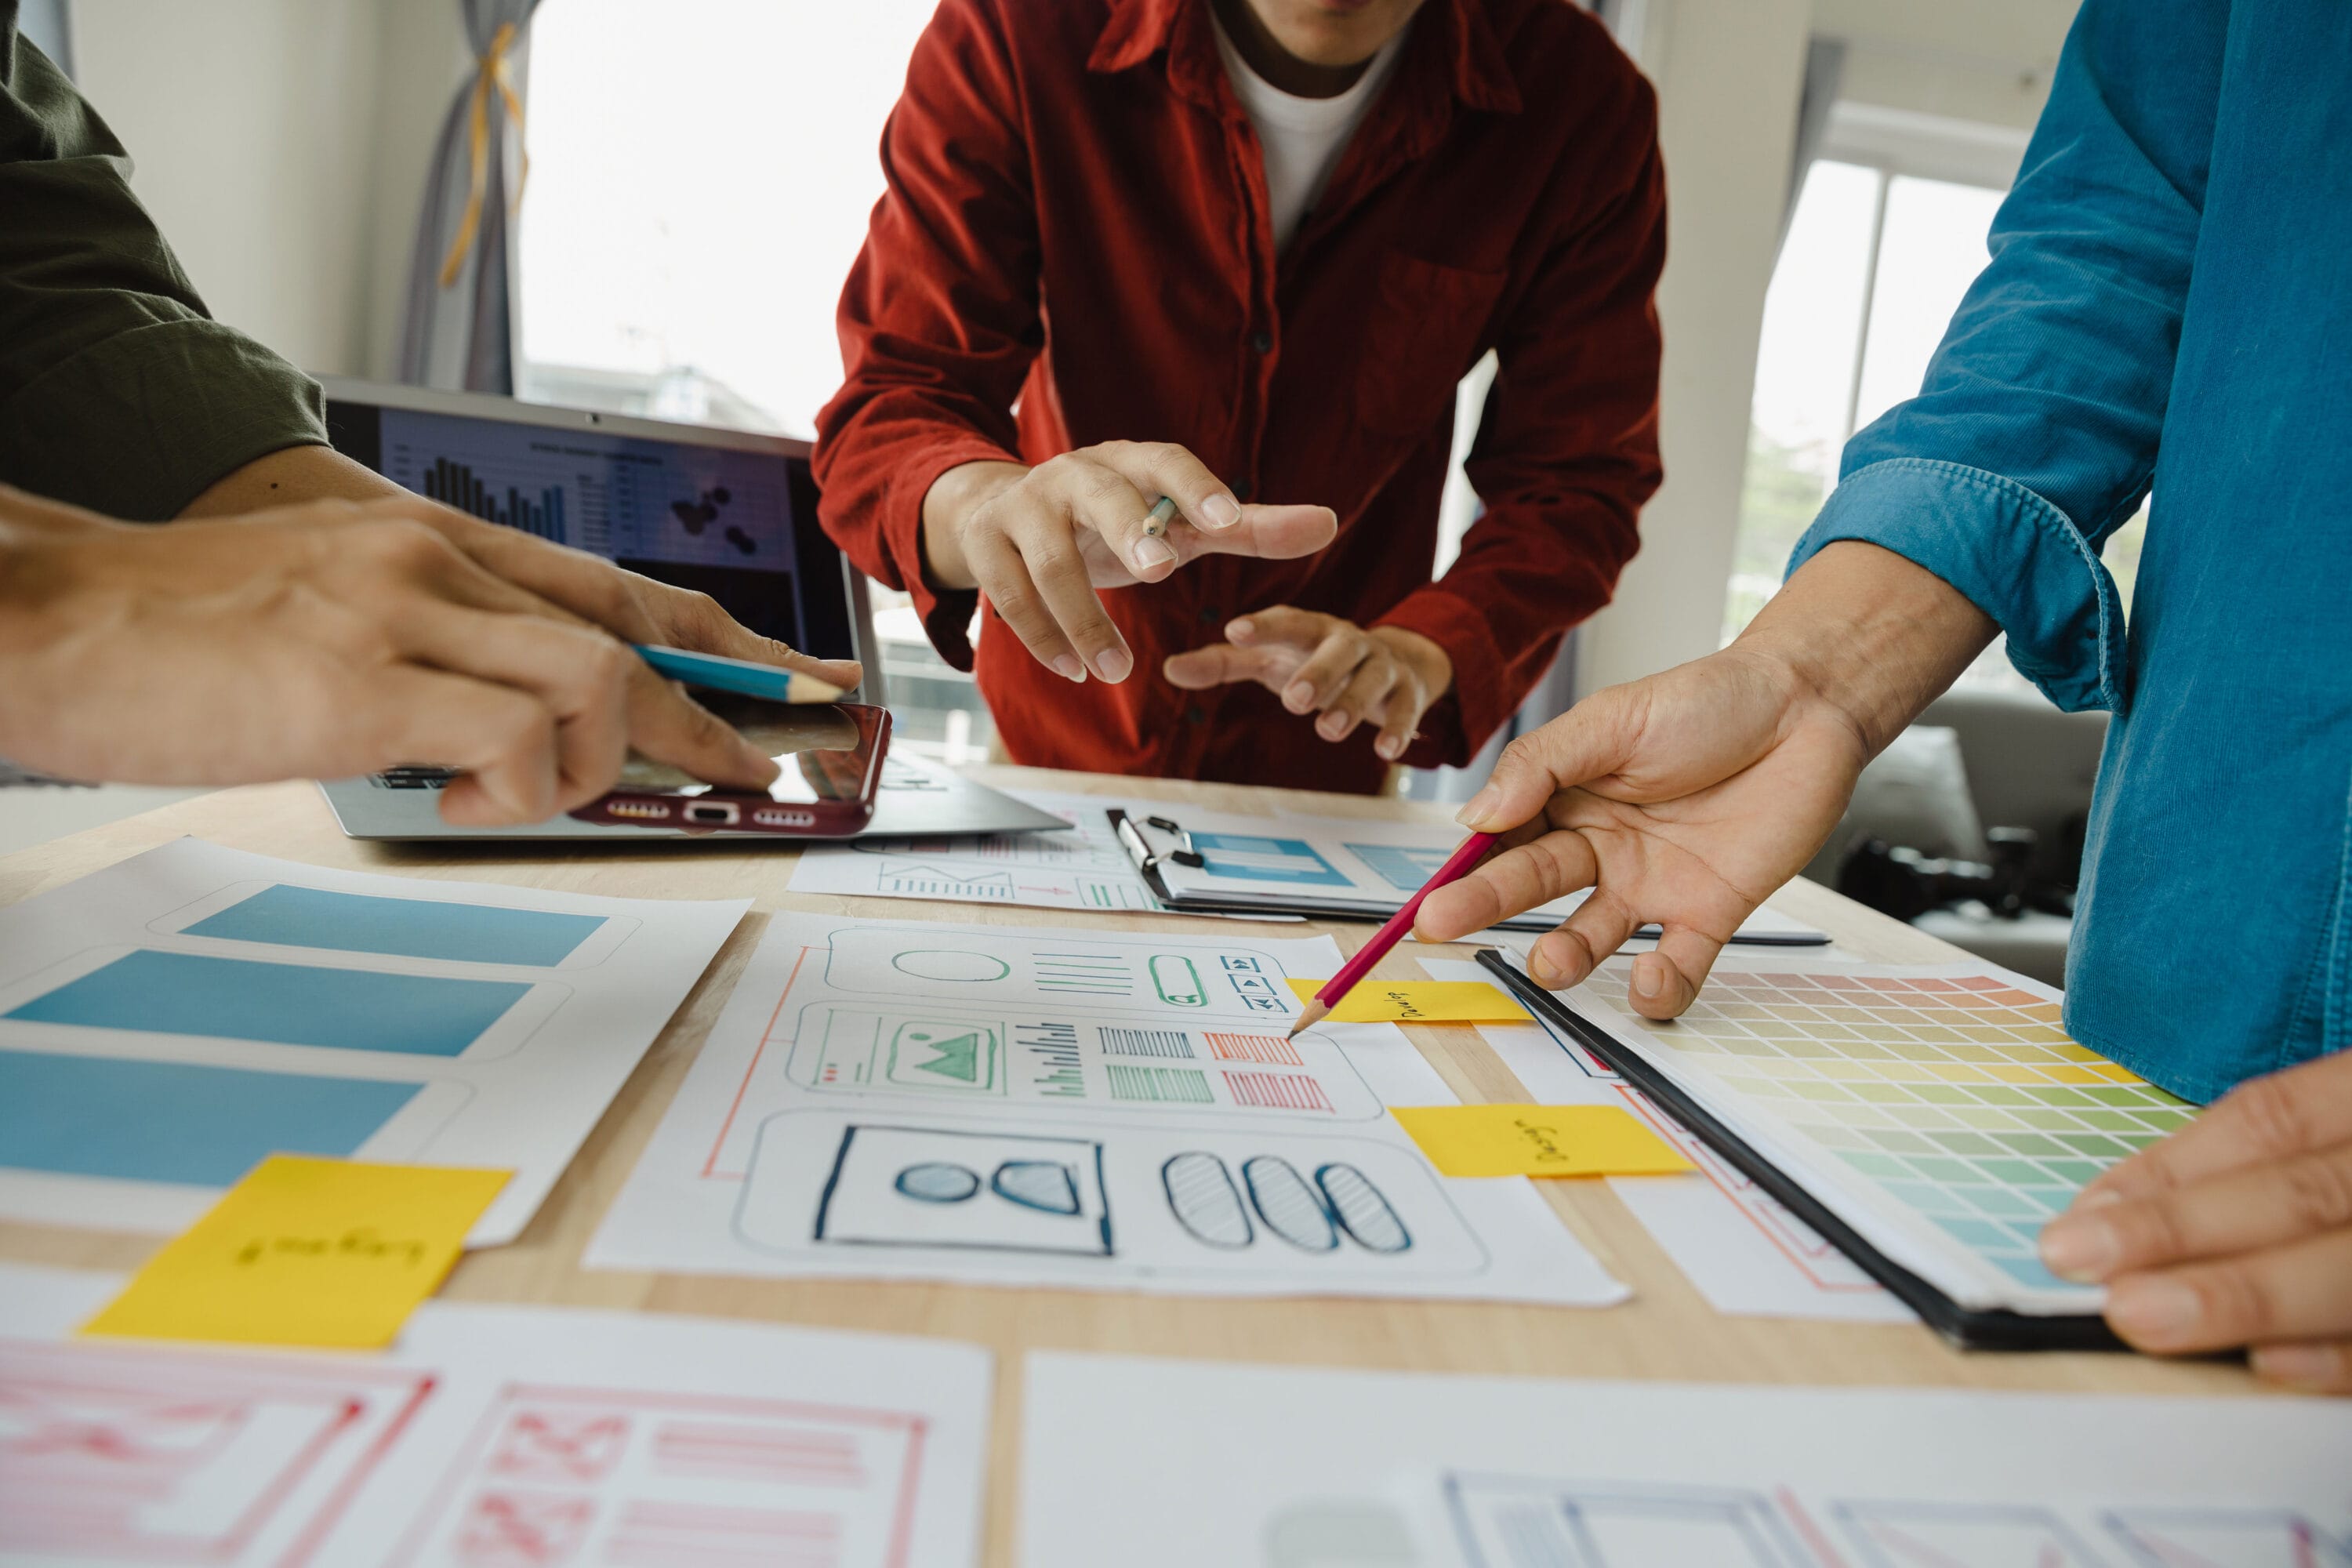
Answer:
(1538, 1141)
(1417, 1002)
(329, 1253)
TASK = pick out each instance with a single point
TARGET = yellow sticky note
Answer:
(307, 1252)
(1538, 1141)
(1417, 1002)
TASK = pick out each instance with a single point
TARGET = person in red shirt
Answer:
(1222, 250)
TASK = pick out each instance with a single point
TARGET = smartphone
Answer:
(830, 755)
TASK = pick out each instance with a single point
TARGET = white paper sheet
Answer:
(1020, 1106)
(491, 1437)
(167, 1022)
(1747, 1254)
(1158, 1464)
(1084, 868)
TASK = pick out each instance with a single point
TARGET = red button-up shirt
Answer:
(1075, 246)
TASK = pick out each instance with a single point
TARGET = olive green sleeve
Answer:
(118, 392)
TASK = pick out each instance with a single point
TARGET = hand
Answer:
(1039, 541)
(2235, 1230)
(331, 639)
(1685, 798)
(1320, 664)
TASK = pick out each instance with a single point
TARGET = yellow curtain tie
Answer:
(493, 77)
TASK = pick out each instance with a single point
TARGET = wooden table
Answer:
(1667, 1331)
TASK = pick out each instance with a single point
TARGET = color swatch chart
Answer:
(167, 1023)
(1955, 1093)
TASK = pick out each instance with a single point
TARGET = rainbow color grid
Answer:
(1957, 1094)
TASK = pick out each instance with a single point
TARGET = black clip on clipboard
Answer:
(1148, 862)
(1973, 1329)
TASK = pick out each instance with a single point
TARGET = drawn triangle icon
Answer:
(958, 1059)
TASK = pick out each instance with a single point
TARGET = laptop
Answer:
(729, 513)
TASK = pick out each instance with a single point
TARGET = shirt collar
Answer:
(1473, 59)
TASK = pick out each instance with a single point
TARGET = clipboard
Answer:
(1966, 1327)
(1149, 863)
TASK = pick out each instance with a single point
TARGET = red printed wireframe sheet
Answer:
(554, 1476)
(129, 1456)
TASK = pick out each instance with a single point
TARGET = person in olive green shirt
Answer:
(317, 621)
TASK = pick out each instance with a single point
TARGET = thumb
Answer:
(1588, 741)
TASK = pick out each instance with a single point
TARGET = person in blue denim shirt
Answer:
(2168, 313)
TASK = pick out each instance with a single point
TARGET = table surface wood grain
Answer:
(1667, 1331)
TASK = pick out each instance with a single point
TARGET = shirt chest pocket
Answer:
(1422, 336)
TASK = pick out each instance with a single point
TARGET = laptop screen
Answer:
(736, 522)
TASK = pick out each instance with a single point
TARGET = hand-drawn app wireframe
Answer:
(1068, 1060)
(1907, 1534)
(1134, 1202)
(2175, 1537)
(1506, 1521)
(1165, 977)
(553, 1475)
(150, 1456)
(931, 1186)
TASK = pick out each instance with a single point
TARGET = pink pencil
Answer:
(1458, 866)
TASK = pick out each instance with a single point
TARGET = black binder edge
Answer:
(1988, 1329)
(1376, 914)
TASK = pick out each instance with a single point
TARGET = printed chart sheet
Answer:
(167, 1022)
(1300, 1468)
(1017, 1105)
(492, 1438)
(1084, 868)
(1743, 1250)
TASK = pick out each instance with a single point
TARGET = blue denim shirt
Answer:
(2168, 313)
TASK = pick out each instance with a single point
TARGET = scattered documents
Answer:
(1291, 1468)
(169, 1022)
(1538, 1141)
(490, 1438)
(329, 1253)
(1025, 1106)
(1376, 1001)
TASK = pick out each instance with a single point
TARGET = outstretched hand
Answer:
(1346, 673)
(1683, 799)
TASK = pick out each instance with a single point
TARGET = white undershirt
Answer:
(1302, 137)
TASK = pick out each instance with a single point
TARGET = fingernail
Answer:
(1237, 631)
(2300, 1366)
(1390, 747)
(1332, 725)
(1647, 981)
(1112, 664)
(1481, 806)
(2085, 1250)
(1150, 553)
(2156, 1310)
(1298, 696)
(1068, 667)
(1221, 512)
(1541, 969)
(2095, 1198)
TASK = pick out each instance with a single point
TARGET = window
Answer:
(1875, 261)
(701, 173)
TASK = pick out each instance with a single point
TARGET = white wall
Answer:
(1728, 74)
(280, 146)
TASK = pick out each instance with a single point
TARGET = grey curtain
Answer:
(1824, 72)
(457, 330)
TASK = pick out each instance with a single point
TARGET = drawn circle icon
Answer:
(938, 1182)
(954, 964)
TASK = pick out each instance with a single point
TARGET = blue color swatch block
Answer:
(411, 928)
(171, 1121)
(1405, 869)
(1250, 857)
(285, 1004)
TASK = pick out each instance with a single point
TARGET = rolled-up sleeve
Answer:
(117, 390)
(2035, 434)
